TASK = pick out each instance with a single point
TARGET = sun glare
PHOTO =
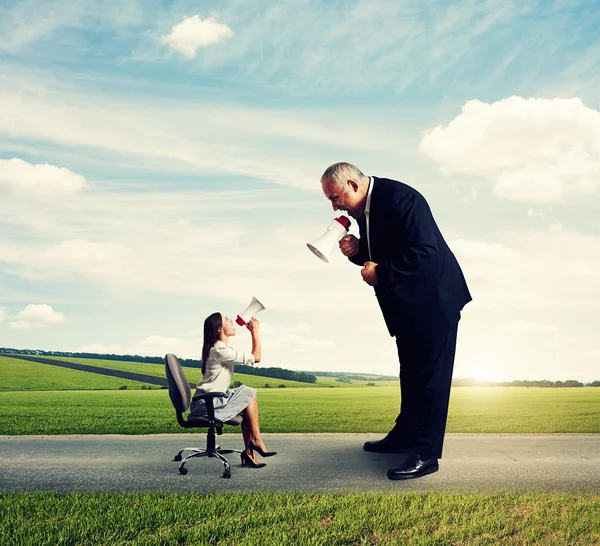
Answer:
(481, 367)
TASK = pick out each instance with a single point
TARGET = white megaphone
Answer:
(323, 246)
(254, 307)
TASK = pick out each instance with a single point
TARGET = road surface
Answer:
(306, 462)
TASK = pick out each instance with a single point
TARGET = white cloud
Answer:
(193, 33)
(156, 345)
(41, 313)
(152, 345)
(291, 341)
(3, 314)
(527, 327)
(534, 271)
(480, 249)
(38, 180)
(20, 325)
(534, 150)
(99, 259)
(539, 212)
(100, 348)
(37, 316)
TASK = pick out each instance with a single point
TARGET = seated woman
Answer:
(218, 361)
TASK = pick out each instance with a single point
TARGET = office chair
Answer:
(181, 396)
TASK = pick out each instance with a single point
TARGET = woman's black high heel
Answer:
(247, 460)
(260, 451)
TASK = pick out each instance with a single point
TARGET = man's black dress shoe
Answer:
(413, 467)
(389, 444)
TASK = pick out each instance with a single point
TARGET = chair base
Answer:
(198, 452)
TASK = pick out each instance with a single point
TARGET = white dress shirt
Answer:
(367, 211)
(219, 367)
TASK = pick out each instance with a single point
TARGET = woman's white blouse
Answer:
(219, 367)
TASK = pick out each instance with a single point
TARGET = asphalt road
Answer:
(323, 462)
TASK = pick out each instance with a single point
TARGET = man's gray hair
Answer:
(340, 173)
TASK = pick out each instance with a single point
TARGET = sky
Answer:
(160, 161)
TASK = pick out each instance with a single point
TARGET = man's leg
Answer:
(401, 437)
(434, 383)
(428, 378)
(407, 421)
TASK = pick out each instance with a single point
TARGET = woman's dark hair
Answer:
(211, 336)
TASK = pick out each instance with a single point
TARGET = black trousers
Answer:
(425, 381)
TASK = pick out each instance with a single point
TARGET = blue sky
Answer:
(161, 160)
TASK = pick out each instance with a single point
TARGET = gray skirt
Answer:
(226, 407)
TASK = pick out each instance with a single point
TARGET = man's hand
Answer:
(349, 246)
(369, 274)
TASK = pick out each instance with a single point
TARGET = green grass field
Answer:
(21, 375)
(24, 375)
(44, 399)
(472, 409)
(245, 519)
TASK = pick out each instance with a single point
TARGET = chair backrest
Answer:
(179, 387)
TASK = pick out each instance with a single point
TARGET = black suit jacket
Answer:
(421, 288)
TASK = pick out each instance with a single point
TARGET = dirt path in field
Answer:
(306, 462)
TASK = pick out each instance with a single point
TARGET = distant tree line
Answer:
(546, 383)
(522, 383)
(276, 373)
(344, 377)
(39, 352)
(357, 377)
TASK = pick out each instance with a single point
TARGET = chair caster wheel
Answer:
(183, 470)
(227, 473)
(177, 458)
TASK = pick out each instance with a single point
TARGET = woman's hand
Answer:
(253, 325)
(349, 246)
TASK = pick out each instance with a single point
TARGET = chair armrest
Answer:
(208, 398)
(208, 395)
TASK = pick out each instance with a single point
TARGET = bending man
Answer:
(421, 291)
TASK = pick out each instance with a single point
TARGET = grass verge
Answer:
(472, 410)
(299, 518)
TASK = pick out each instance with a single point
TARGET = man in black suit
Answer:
(421, 291)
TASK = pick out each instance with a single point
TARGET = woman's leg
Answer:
(246, 430)
(251, 428)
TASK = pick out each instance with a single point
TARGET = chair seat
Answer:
(199, 421)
